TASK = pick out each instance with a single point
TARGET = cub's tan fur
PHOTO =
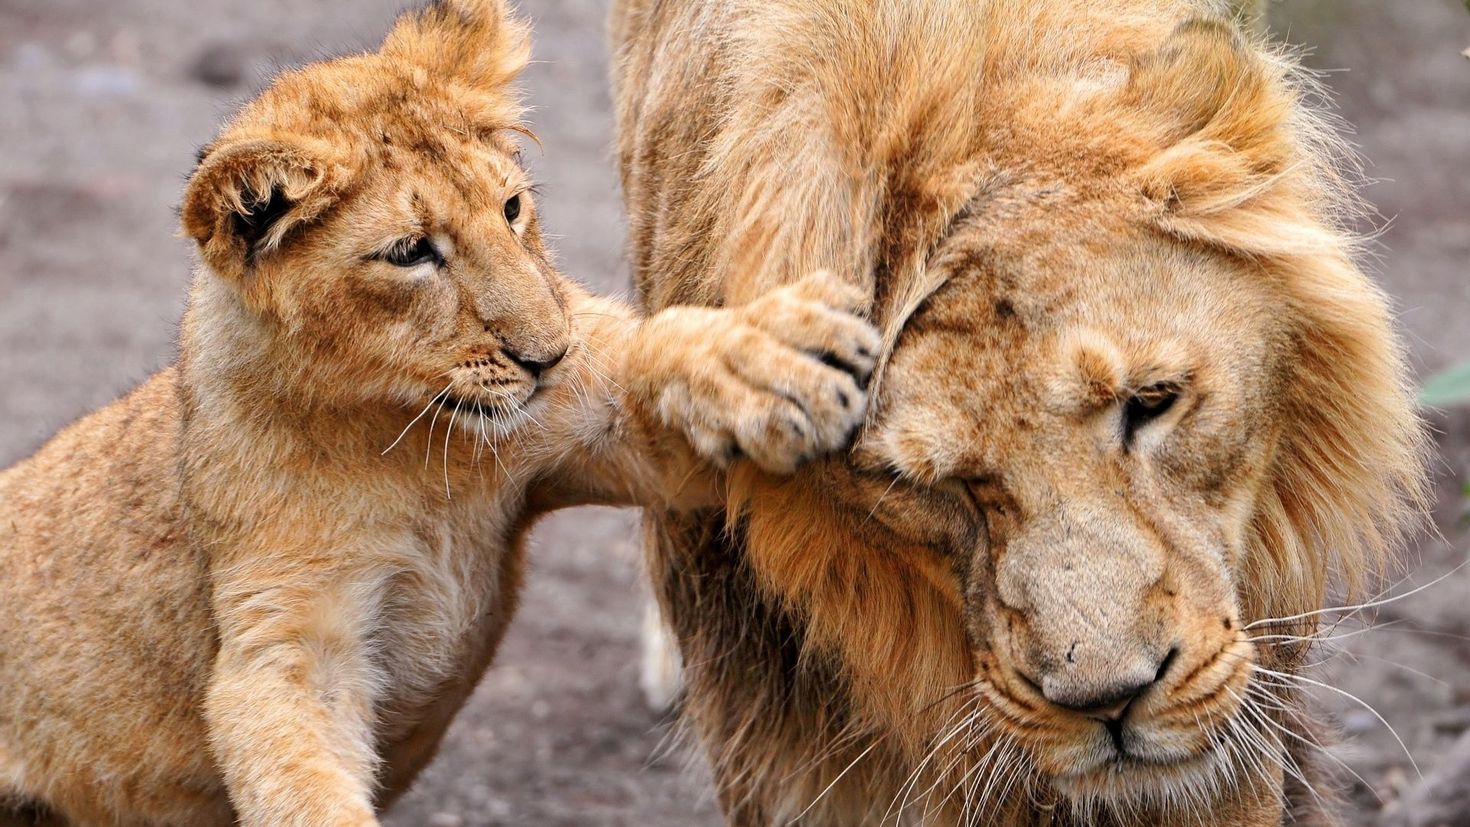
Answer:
(1139, 405)
(247, 590)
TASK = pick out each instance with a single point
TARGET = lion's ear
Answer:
(1220, 111)
(247, 195)
(476, 42)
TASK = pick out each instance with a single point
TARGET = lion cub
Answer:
(260, 585)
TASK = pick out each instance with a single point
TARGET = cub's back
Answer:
(98, 591)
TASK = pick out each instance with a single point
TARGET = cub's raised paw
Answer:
(781, 380)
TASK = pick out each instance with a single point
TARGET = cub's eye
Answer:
(513, 208)
(1145, 406)
(411, 252)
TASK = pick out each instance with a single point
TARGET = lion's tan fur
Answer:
(257, 589)
(761, 139)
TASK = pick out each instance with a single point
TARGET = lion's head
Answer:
(1142, 409)
(371, 214)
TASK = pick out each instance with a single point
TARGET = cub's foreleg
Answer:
(290, 702)
(780, 381)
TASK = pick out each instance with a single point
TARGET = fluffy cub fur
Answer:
(257, 588)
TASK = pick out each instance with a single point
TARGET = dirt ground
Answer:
(103, 103)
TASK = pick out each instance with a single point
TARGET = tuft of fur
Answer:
(975, 167)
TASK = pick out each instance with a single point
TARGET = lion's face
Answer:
(1146, 408)
(372, 212)
(1101, 399)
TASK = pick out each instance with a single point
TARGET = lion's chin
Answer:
(1131, 782)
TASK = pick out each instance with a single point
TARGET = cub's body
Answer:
(113, 558)
(134, 592)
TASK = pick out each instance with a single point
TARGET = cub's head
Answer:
(1148, 405)
(370, 217)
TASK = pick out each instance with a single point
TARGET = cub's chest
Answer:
(447, 590)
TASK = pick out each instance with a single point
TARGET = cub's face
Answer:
(1090, 406)
(371, 212)
(429, 280)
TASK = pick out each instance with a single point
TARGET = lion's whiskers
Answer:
(906, 788)
(880, 500)
(1012, 770)
(1286, 640)
(483, 424)
(1267, 745)
(1260, 696)
(1001, 745)
(966, 745)
(1326, 634)
(1405, 667)
(513, 406)
(1302, 681)
(482, 441)
(404, 432)
(448, 432)
(490, 443)
(599, 364)
(833, 783)
(429, 446)
(1354, 609)
(847, 735)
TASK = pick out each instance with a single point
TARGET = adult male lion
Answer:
(1139, 407)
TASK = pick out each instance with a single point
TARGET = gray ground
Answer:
(103, 103)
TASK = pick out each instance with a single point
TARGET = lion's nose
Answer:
(1105, 700)
(1107, 705)
(534, 365)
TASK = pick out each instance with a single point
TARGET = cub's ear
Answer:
(247, 195)
(475, 42)
(1220, 111)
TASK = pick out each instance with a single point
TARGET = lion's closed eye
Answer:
(1146, 406)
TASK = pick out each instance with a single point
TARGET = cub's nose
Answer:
(534, 365)
(1104, 699)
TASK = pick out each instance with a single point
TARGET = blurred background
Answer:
(102, 105)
